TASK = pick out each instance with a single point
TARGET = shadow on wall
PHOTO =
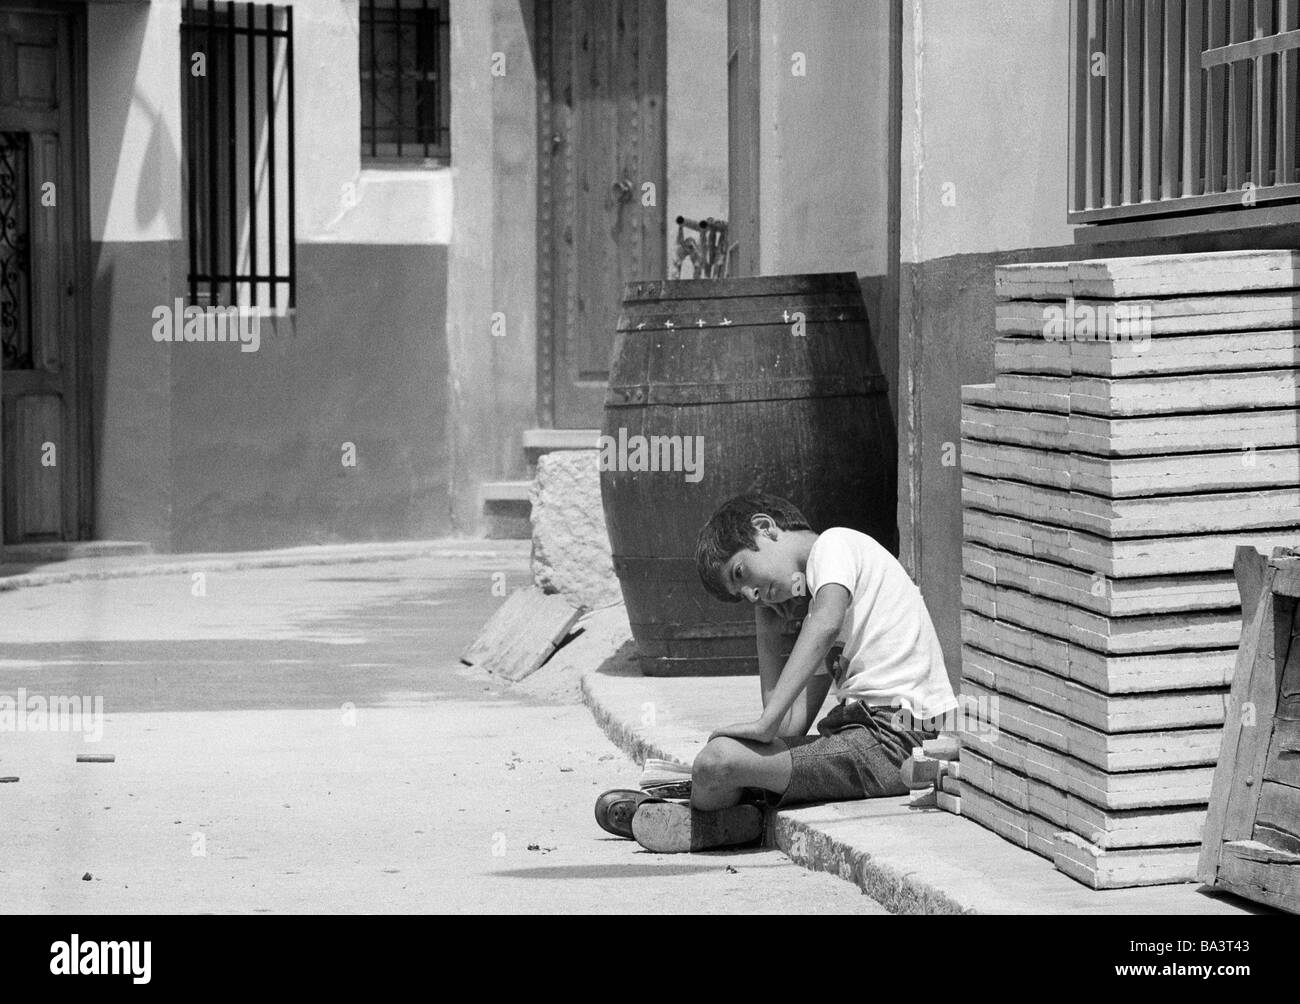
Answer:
(161, 158)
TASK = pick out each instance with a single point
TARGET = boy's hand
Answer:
(758, 732)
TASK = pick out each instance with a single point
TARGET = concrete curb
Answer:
(804, 844)
(341, 554)
(817, 851)
(620, 733)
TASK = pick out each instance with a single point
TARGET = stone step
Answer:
(506, 509)
(539, 441)
(71, 550)
(505, 503)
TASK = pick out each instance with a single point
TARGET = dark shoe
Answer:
(674, 827)
(614, 810)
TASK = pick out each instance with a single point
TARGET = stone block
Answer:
(571, 553)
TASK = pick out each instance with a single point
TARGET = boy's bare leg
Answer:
(727, 766)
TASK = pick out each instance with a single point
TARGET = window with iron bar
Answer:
(237, 85)
(405, 84)
(1182, 105)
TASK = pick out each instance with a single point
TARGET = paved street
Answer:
(304, 739)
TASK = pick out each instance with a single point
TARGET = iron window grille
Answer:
(239, 153)
(405, 84)
(15, 252)
(1180, 105)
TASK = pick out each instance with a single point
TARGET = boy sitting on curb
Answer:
(888, 679)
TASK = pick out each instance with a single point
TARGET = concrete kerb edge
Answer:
(803, 844)
(622, 735)
(271, 560)
(817, 851)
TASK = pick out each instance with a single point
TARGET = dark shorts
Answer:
(857, 753)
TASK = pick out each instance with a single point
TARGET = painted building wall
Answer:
(493, 252)
(983, 181)
(824, 152)
(201, 447)
(695, 105)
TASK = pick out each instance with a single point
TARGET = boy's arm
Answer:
(768, 624)
(820, 629)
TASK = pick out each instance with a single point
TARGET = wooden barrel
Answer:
(775, 380)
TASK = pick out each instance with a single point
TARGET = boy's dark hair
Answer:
(730, 530)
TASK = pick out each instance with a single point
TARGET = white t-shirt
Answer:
(891, 654)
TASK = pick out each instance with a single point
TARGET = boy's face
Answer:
(770, 575)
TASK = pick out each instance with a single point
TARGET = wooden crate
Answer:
(1252, 834)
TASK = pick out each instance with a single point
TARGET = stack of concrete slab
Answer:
(1143, 423)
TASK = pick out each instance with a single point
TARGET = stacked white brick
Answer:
(1106, 483)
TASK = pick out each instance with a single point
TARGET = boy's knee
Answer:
(716, 763)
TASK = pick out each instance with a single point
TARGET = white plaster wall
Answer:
(824, 149)
(985, 109)
(696, 111)
(133, 109)
(135, 141)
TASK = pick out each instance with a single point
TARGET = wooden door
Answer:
(42, 418)
(602, 219)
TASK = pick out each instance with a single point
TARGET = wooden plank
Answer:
(1129, 674)
(1277, 820)
(1036, 393)
(1211, 629)
(1261, 154)
(979, 393)
(1235, 747)
(1103, 712)
(1263, 429)
(1130, 477)
(1132, 142)
(1096, 110)
(1048, 280)
(1192, 313)
(1075, 855)
(1114, 753)
(1239, 83)
(1193, 121)
(1079, 103)
(1187, 274)
(1216, 96)
(1170, 394)
(1171, 81)
(1121, 869)
(522, 634)
(1285, 108)
(1131, 790)
(1141, 435)
(1027, 428)
(1170, 354)
(1135, 827)
(1248, 570)
(1152, 103)
(1115, 106)
(1260, 873)
(1199, 553)
(1104, 828)
(1117, 598)
(1253, 753)
(1284, 753)
(1150, 516)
